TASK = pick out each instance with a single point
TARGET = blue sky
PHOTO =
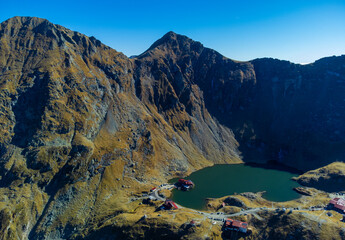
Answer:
(301, 31)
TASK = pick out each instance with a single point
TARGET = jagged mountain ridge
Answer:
(83, 125)
(278, 110)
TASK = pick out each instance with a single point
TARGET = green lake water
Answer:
(222, 180)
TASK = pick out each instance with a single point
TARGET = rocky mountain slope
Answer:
(75, 134)
(278, 110)
(83, 127)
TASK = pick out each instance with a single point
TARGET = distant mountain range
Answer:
(83, 126)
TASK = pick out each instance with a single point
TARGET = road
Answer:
(219, 216)
(155, 193)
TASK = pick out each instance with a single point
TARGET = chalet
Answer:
(184, 184)
(338, 204)
(235, 225)
(169, 204)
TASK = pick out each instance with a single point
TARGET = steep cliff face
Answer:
(83, 127)
(296, 113)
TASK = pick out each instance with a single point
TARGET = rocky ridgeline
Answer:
(83, 126)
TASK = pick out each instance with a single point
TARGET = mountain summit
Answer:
(175, 42)
(85, 129)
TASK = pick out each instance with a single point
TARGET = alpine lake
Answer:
(222, 180)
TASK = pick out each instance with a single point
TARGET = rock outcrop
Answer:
(330, 178)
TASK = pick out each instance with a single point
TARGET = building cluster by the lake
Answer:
(184, 185)
(230, 227)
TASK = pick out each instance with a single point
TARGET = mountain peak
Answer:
(169, 38)
(20, 21)
(175, 42)
(26, 25)
(170, 35)
(27, 28)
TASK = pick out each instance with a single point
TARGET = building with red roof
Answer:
(235, 225)
(184, 184)
(169, 204)
(338, 204)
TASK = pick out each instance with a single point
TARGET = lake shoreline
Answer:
(227, 179)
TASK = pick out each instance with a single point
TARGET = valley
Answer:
(85, 130)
